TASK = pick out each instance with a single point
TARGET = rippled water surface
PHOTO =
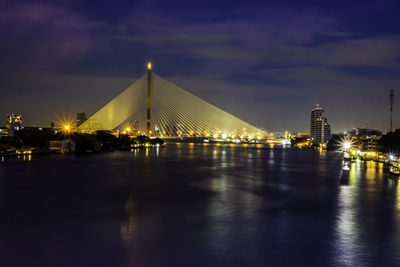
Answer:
(198, 205)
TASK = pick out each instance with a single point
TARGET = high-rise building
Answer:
(319, 126)
(80, 118)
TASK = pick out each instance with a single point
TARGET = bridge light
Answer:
(127, 130)
(149, 66)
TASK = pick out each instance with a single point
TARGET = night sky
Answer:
(267, 62)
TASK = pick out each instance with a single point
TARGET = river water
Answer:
(198, 205)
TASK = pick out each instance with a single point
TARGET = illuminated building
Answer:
(62, 146)
(366, 139)
(371, 143)
(303, 135)
(363, 132)
(80, 118)
(319, 126)
(14, 123)
(4, 132)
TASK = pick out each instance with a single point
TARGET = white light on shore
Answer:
(347, 145)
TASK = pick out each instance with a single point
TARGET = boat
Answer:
(346, 165)
(395, 170)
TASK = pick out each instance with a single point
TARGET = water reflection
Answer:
(397, 198)
(365, 208)
(128, 226)
(234, 205)
(200, 205)
(345, 173)
(346, 228)
(128, 229)
(25, 157)
(271, 158)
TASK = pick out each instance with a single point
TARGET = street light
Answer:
(347, 145)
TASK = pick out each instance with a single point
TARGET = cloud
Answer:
(243, 36)
(198, 39)
(274, 37)
(261, 26)
(48, 15)
(378, 51)
(48, 32)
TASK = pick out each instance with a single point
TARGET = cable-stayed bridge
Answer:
(169, 111)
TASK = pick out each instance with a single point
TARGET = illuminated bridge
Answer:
(169, 111)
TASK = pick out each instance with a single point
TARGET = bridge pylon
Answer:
(148, 118)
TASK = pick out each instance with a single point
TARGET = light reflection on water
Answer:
(199, 205)
(25, 157)
(346, 227)
(366, 217)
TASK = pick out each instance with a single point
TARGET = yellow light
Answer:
(67, 127)
(149, 66)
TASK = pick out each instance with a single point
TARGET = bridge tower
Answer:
(148, 131)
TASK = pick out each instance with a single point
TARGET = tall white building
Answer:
(319, 126)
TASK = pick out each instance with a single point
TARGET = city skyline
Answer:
(251, 60)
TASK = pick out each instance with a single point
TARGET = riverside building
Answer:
(319, 127)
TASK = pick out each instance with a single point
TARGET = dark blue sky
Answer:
(267, 62)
